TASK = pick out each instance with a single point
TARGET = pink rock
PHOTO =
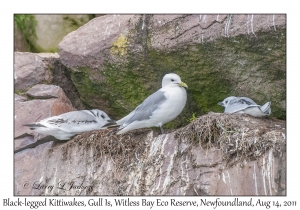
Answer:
(35, 110)
(93, 40)
(19, 98)
(31, 69)
(162, 165)
(42, 91)
(188, 29)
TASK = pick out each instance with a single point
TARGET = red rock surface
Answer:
(203, 28)
(98, 35)
(247, 50)
(42, 91)
(31, 69)
(19, 98)
(159, 165)
(162, 165)
(94, 39)
(30, 111)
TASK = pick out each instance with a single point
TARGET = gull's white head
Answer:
(101, 115)
(226, 101)
(173, 80)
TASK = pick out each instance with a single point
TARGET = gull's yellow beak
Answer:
(182, 84)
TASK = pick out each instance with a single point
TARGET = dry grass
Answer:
(238, 136)
(121, 149)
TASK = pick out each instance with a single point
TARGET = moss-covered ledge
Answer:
(241, 66)
(121, 75)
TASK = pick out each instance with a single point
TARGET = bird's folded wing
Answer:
(237, 107)
(146, 109)
(82, 115)
(245, 100)
(70, 121)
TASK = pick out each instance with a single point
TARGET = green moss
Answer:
(118, 94)
(255, 67)
(21, 92)
(27, 23)
(124, 88)
(129, 83)
(87, 89)
(240, 66)
(193, 117)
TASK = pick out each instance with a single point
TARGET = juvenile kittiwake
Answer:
(67, 125)
(246, 105)
(159, 108)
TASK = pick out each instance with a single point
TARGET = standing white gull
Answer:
(67, 125)
(246, 105)
(159, 108)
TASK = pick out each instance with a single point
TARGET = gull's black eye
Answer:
(102, 116)
(172, 80)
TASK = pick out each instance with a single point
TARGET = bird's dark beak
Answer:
(220, 103)
(111, 123)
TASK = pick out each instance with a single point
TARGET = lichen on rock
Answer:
(119, 46)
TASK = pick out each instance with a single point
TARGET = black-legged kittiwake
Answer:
(67, 125)
(246, 105)
(159, 108)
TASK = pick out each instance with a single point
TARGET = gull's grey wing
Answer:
(145, 110)
(127, 117)
(82, 115)
(239, 104)
(246, 100)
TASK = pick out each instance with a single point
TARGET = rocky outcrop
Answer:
(113, 63)
(20, 43)
(217, 154)
(49, 100)
(31, 69)
(19, 98)
(116, 61)
(192, 29)
(34, 68)
(42, 91)
(50, 30)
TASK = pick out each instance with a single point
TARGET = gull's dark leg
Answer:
(113, 131)
(161, 129)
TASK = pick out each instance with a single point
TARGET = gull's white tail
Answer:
(266, 108)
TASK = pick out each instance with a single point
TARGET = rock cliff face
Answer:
(43, 68)
(113, 63)
(31, 69)
(42, 33)
(46, 101)
(126, 56)
(217, 154)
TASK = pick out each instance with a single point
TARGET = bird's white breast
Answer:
(176, 100)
